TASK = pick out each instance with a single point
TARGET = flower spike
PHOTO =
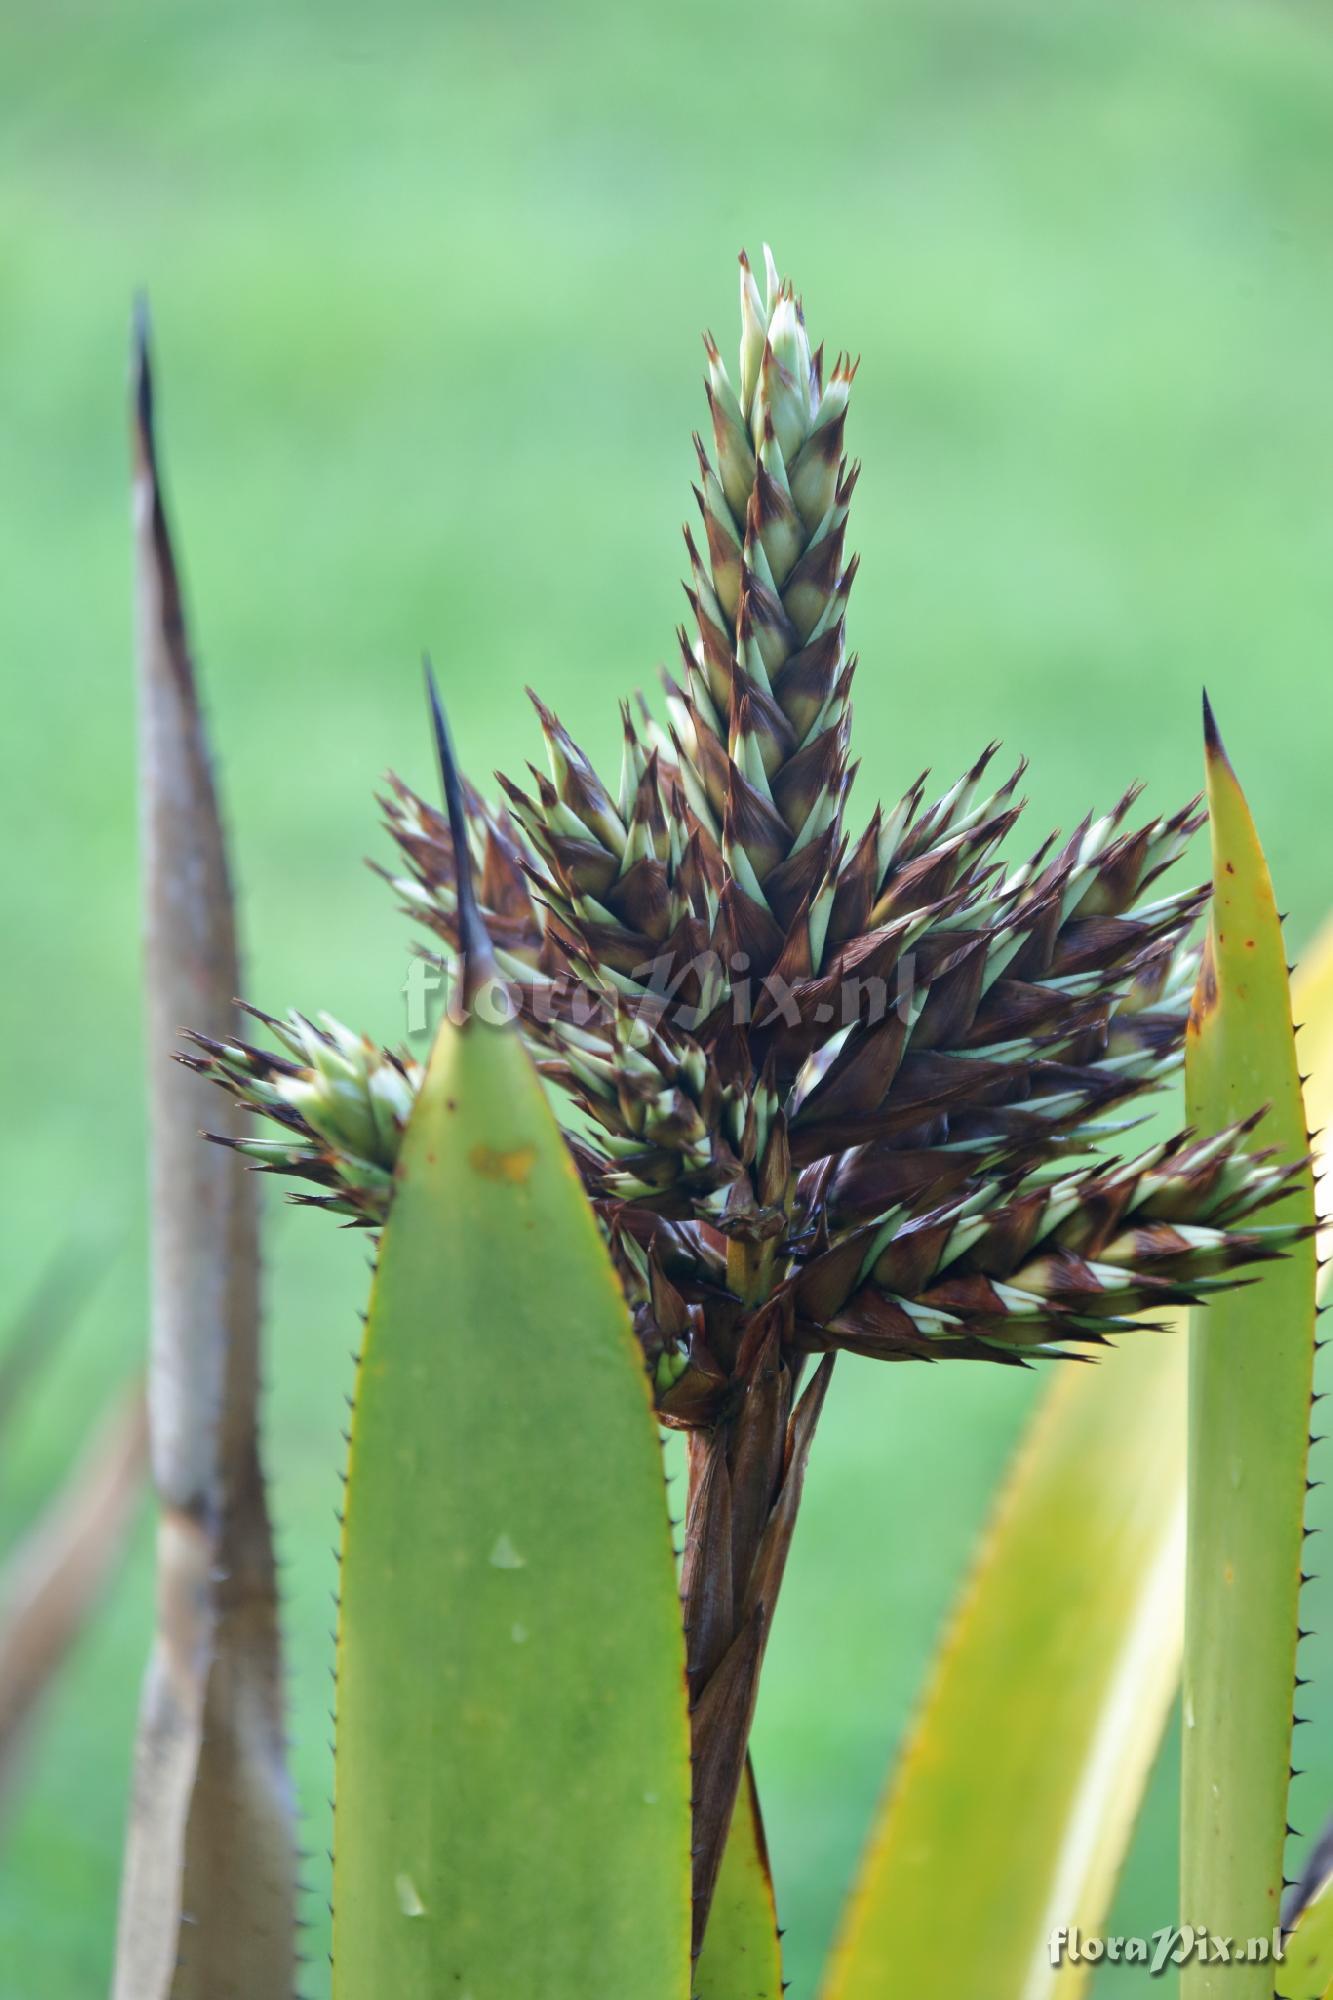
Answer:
(827, 1088)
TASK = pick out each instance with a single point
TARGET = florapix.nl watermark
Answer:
(690, 991)
(1172, 1944)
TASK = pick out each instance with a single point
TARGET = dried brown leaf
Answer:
(54, 1577)
(209, 1888)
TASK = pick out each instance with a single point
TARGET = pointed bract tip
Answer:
(141, 326)
(1214, 748)
(141, 368)
(474, 940)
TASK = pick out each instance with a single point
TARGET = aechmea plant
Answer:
(827, 1086)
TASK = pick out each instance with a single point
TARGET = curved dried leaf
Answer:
(40, 1325)
(208, 1893)
(53, 1579)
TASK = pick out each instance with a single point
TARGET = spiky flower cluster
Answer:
(342, 1101)
(803, 1057)
(828, 1089)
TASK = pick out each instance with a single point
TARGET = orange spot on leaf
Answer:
(1203, 1001)
(497, 1165)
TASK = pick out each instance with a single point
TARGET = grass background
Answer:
(428, 286)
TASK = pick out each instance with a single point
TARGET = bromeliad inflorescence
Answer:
(828, 1087)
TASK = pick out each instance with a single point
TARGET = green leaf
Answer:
(741, 1957)
(1251, 1367)
(1015, 1799)
(1306, 1972)
(512, 1766)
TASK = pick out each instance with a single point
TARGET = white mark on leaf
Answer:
(409, 1902)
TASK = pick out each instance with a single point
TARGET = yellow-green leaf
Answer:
(741, 1957)
(1013, 1805)
(930, 1870)
(1251, 1369)
(512, 1763)
(1306, 1972)
(1314, 1046)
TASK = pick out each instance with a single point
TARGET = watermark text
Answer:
(1172, 1944)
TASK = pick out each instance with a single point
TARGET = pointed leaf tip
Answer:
(141, 375)
(1212, 735)
(474, 940)
(141, 324)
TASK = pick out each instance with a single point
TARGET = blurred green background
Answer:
(428, 285)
